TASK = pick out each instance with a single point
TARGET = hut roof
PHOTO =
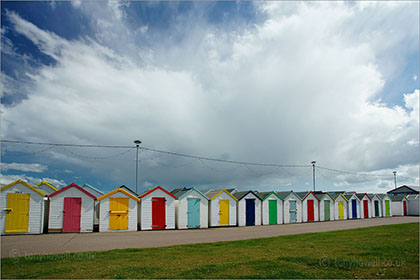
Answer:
(265, 195)
(72, 185)
(398, 197)
(157, 188)
(183, 192)
(43, 182)
(25, 184)
(119, 190)
(213, 193)
(240, 195)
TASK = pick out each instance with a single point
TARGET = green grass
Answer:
(390, 251)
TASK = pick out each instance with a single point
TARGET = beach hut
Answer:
(326, 207)
(191, 209)
(118, 211)
(272, 208)
(222, 208)
(23, 208)
(71, 210)
(386, 205)
(399, 205)
(46, 187)
(365, 205)
(340, 206)
(248, 209)
(157, 209)
(353, 205)
(376, 205)
(292, 207)
(310, 206)
(412, 204)
(96, 193)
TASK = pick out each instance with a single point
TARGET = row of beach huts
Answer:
(44, 208)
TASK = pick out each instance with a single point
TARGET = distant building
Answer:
(404, 190)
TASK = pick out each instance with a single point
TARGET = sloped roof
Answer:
(174, 191)
(72, 185)
(284, 195)
(322, 195)
(43, 182)
(157, 188)
(232, 190)
(303, 195)
(212, 194)
(336, 195)
(119, 190)
(361, 195)
(93, 188)
(240, 195)
(383, 195)
(265, 195)
(405, 190)
(181, 193)
(19, 181)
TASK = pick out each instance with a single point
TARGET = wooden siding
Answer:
(386, 198)
(286, 204)
(36, 208)
(241, 210)
(104, 213)
(322, 210)
(265, 210)
(57, 206)
(214, 210)
(381, 213)
(305, 208)
(397, 208)
(45, 189)
(369, 203)
(146, 210)
(181, 207)
(345, 208)
(350, 207)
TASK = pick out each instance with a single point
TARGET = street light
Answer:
(137, 142)
(313, 172)
(395, 178)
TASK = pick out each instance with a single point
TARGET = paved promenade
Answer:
(25, 245)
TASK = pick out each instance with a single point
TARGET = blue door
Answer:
(292, 211)
(250, 212)
(354, 208)
(193, 213)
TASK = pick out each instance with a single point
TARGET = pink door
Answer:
(71, 214)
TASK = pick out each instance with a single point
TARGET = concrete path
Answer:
(26, 245)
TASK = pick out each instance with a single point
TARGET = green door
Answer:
(376, 208)
(272, 212)
(326, 210)
(387, 208)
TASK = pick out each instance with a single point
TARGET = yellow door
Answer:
(223, 212)
(340, 210)
(17, 213)
(118, 213)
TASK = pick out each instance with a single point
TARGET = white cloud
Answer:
(415, 77)
(301, 86)
(7, 179)
(25, 167)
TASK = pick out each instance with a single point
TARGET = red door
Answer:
(158, 213)
(365, 209)
(310, 210)
(71, 214)
(405, 207)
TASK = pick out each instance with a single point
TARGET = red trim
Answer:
(364, 196)
(72, 185)
(310, 192)
(160, 188)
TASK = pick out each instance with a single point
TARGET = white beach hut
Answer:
(157, 209)
(365, 205)
(191, 209)
(399, 205)
(326, 207)
(292, 211)
(310, 206)
(222, 208)
(340, 206)
(22, 208)
(272, 208)
(248, 208)
(96, 193)
(386, 205)
(118, 211)
(71, 210)
(412, 204)
(376, 206)
(354, 208)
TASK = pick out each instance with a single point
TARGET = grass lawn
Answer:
(390, 251)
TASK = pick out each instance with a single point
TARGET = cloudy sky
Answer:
(261, 82)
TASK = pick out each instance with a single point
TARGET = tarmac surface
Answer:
(27, 245)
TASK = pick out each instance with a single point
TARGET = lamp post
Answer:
(313, 172)
(137, 142)
(395, 178)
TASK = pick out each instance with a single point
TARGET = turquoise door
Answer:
(292, 211)
(193, 213)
